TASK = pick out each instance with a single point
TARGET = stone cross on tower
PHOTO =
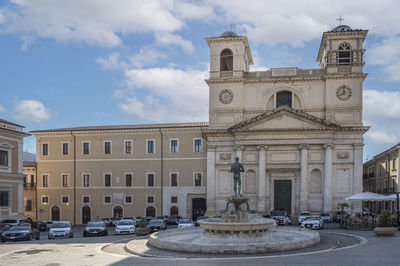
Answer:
(340, 19)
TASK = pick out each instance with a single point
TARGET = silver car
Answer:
(60, 229)
(313, 222)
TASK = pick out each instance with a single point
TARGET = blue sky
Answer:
(99, 62)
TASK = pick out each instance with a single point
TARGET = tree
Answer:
(342, 206)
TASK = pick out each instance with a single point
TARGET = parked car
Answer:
(42, 226)
(107, 221)
(185, 223)
(125, 227)
(281, 217)
(20, 232)
(95, 229)
(313, 222)
(303, 215)
(129, 218)
(173, 219)
(326, 217)
(337, 215)
(147, 219)
(48, 225)
(199, 218)
(13, 222)
(4, 227)
(156, 225)
(60, 229)
(114, 221)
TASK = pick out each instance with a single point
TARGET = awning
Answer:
(369, 196)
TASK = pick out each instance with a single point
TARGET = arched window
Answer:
(174, 210)
(284, 98)
(226, 63)
(118, 212)
(344, 54)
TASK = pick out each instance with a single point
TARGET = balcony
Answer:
(29, 185)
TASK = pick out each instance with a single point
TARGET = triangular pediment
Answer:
(284, 118)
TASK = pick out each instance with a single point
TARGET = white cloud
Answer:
(110, 62)
(2, 109)
(174, 94)
(382, 113)
(387, 55)
(31, 111)
(167, 39)
(147, 56)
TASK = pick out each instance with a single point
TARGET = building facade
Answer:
(297, 132)
(121, 171)
(11, 176)
(30, 192)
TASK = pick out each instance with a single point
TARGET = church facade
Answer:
(297, 132)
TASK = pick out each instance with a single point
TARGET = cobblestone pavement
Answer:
(110, 251)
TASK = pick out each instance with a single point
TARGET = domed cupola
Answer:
(228, 34)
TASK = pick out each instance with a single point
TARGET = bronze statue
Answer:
(236, 168)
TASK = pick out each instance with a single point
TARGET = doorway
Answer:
(55, 213)
(150, 212)
(86, 216)
(118, 212)
(199, 208)
(283, 195)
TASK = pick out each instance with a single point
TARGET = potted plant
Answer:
(142, 229)
(385, 225)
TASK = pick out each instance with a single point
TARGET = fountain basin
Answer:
(252, 227)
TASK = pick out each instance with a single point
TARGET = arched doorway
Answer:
(118, 212)
(150, 212)
(174, 210)
(199, 208)
(86, 216)
(55, 213)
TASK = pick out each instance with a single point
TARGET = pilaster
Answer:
(328, 178)
(303, 177)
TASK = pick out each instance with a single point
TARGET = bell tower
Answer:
(341, 50)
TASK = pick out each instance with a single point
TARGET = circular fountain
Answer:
(236, 232)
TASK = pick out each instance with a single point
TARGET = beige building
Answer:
(30, 192)
(109, 171)
(11, 176)
(298, 132)
(381, 174)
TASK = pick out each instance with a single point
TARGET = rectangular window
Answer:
(86, 180)
(393, 184)
(65, 147)
(107, 180)
(174, 199)
(86, 147)
(394, 164)
(174, 146)
(174, 180)
(45, 149)
(3, 158)
(86, 199)
(150, 199)
(107, 147)
(28, 205)
(198, 145)
(386, 166)
(150, 180)
(65, 199)
(107, 200)
(32, 180)
(4, 198)
(65, 180)
(197, 179)
(386, 184)
(45, 200)
(150, 146)
(128, 180)
(128, 199)
(45, 179)
(128, 146)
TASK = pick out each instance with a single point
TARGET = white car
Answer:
(185, 223)
(326, 217)
(60, 229)
(125, 227)
(303, 215)
(313, 222)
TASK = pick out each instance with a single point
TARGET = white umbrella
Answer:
(368, 196)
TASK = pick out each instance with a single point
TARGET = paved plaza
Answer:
(337, 247)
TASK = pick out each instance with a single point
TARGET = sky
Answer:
(67, 63)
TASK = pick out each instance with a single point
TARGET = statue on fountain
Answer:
(236, 168)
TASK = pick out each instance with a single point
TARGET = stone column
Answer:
(328, 178)
(20, 198)
(20, 158)
(358, 172)
(303, 177)
(262, 189)
(211, 181)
